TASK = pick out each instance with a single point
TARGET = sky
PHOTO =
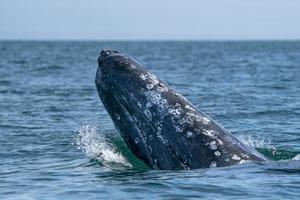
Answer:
(149, 19)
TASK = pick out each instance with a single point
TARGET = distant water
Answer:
(57, 141)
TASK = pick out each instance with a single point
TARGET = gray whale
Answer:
(159, 125)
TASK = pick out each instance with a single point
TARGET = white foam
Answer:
(297, 157)
(257, 142)
(97, 146)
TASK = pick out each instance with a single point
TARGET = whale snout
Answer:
(104, 54)
(107, 52)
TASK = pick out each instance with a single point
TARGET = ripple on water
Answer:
(47, 89)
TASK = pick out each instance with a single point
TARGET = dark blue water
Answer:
(57, 141)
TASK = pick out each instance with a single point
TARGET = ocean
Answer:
(58, 142)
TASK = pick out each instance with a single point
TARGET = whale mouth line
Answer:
(120, 100)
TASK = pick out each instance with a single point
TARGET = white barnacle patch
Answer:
(161, 88)
(153, 78)
(175, 112)
(150, 148)
(155, 163)
(213, 164)
(210, 133)
(244, 161)
(245, 155)
(177, 105)
(143, 76)
(178, 129)
(202, 119)
(235, 157)
(186, 120)
(148, 105)
(149, 86)
(198, 117)
(205, 120)
(154, 97)
(189, 134)
(160, 108)
(217, 153)
(180, 96)
(148, 114)
(220, 142)
(157, 123)
(137, 140)
(150, 137)
(139, 104)
(189, 108)
(194, 116)
(117, 116)
(212, 145)
(132, 66)
(189, 120)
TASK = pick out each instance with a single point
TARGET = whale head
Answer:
(134, 99)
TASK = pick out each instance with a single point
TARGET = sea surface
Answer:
(58, 142)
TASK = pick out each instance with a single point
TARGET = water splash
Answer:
(265, 147)
(96, 146)
(257, 142)
(297, 157)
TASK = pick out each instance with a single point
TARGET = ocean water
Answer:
(58, 142)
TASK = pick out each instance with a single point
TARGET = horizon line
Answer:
(154, 40)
